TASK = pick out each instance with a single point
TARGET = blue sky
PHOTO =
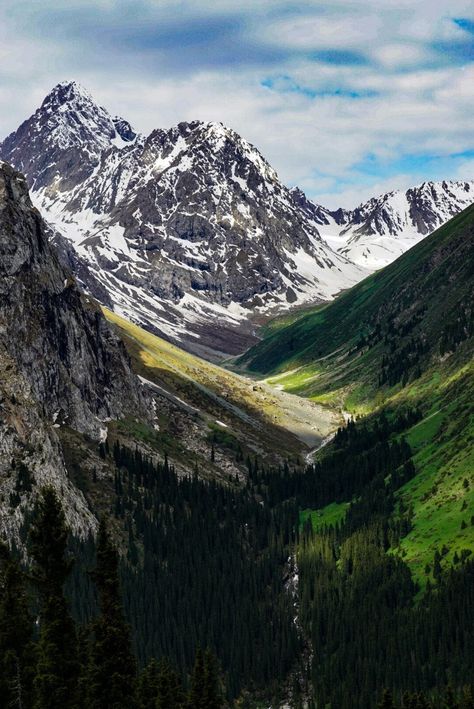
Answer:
(347, 99)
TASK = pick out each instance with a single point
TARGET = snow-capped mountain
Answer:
(59, 146)
(189, 230)
(378, 231)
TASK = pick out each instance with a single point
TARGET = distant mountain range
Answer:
(190, 232)
(378, 231)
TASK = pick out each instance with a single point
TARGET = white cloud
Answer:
(406, 99)
(396, 55)
(325, 31)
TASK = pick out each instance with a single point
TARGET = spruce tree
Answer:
(421, 702)
(170, 693)
(148, 685)
(16, 629)
(197, 685)
(83, 654)
(450, 699)
(408, 701)
(387, 700)
(211, 694)
(55, 682)
(112, 680)
(467, 701)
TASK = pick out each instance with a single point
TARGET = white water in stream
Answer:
(310, 455)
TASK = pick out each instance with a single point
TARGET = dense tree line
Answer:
(359, 604)
(359, 455)
(53, 664)
(207, 565)
(205, 568)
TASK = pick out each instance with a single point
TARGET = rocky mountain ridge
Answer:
(381, 229)
(61, 364)
(189, 230)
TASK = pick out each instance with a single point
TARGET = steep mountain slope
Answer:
(189, 230)
(401, 338)
(208, 408)
(381, 229)
(61, 365)
(419, 297)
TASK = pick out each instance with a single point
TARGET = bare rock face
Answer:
(31, 457)
(59, 339)
(60, 363)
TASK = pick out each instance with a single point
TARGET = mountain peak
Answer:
(66, 92)
(68, 128)
(72, 115)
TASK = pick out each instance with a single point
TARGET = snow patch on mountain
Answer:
(189, 230)
(380, 230)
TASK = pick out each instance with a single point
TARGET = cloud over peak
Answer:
(341, 97)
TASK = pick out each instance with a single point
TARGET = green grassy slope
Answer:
(404, 336)
(233, 408)
(442, 493)
(408, 304)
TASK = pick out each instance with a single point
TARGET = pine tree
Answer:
(421, 702)
(467, 701)
(148, 685)
(450, 699)
(387, 700)
(57, 669)
(211, 693)
(16, 628)
(112, 680)
(197, 688)
(83, 654)
(170, 693)
(408, 701)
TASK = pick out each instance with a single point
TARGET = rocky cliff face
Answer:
(60, 363)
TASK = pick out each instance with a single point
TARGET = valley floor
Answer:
(234, 401)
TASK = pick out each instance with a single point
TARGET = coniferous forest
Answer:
(201, 609)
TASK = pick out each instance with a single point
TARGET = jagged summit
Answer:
(189, 230)
(59, 146)
(72, 101)
(66, 92)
